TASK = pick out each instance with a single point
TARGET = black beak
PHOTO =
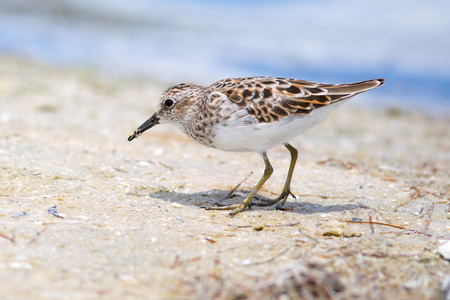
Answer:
(152, 121)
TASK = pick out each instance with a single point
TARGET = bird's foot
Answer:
(280, 200)
(237, 208)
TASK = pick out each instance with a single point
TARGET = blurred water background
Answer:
(198, 41)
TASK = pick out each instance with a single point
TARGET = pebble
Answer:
(444, 250)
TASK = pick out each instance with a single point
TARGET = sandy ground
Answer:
(87, 215)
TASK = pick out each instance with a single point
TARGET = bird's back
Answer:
(270, 99)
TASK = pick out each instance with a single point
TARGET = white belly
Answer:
(259, 137)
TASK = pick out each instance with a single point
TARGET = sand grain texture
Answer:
(128, 223)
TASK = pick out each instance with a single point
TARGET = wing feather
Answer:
(270, 99)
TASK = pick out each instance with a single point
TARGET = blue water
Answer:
(405, 41)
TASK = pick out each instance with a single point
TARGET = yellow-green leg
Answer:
(246, 203)
(286, 189)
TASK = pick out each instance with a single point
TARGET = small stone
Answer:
(444, 250)
(258, 227)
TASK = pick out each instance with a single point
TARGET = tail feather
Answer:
(353, 88)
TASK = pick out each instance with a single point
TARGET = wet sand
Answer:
(87, 215)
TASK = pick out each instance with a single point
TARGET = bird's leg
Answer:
(233, 190)
(246, 203)
(286, 189)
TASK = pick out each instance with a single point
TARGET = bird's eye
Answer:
(169, 103)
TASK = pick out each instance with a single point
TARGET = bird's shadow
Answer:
(209, 198)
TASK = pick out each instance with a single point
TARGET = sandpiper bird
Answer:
(252, 114)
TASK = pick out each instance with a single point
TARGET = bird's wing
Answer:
(270, 99)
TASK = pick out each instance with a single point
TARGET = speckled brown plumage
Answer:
(271, 99)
